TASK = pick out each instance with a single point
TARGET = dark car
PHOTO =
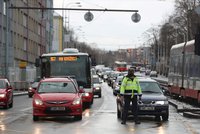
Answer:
(57, 97)
(96, 85)
(116, 85)
(153, 102)
(32, 89)
(6, 94)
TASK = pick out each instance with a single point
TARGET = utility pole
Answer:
(7, 39)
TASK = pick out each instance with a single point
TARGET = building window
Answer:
(25, 1)
(4, 7)
(25, 44)
(25, 20)
(38, 50)
(39, 29)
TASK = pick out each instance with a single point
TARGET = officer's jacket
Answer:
(130, 87)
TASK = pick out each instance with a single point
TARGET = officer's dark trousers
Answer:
(134, 108)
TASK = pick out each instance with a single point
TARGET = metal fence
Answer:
(20, 79)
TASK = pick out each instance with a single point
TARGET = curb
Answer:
(188, 114)
(191, 115)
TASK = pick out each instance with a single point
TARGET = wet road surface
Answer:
(100, 118)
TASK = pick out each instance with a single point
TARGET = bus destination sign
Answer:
(68, 58)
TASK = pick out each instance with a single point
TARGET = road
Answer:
(101, 118)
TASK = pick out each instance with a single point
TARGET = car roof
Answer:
(56, 79)
(146, 79)
(3, 79)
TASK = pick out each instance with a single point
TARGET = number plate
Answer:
(57, 108)
(147, 108)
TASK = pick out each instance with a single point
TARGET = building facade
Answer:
(26, 34)
(58, 33)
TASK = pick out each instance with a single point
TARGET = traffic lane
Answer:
(100, 118)
(21, 104)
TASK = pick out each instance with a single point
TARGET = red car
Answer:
(6, 93)
(57, 97)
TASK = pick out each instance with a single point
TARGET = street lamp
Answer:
(63, 5)
(64, 13)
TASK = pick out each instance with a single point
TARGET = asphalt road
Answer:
(101, 118)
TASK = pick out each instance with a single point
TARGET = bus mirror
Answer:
(197, 44)
(37, 62)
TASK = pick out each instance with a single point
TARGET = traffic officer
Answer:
(130, 90)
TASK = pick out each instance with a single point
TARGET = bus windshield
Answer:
(68, 66)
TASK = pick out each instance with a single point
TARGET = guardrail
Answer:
(20, 85)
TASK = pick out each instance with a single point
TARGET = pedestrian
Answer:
(130, 91)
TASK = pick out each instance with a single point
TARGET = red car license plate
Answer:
(57, 108)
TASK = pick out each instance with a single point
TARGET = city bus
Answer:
(72, 63)
(120, 66)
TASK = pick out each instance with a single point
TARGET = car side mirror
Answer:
(81, 90)
(34, 90)
(9, 87)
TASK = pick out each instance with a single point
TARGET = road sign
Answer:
(136, 17)
(88, 16)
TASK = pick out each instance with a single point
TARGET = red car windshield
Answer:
(2, 84)
(57, 87)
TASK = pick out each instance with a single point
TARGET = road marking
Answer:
(84, 124)
(26, 109)
(4, 119)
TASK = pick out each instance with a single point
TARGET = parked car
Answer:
(57, 97)
(96, 85)
(32, 89)
(153, 102)
(142, 70)
(117, 84)
(147, 72)
(153, 74)
(6, 93)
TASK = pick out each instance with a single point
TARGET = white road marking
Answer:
(84, 124)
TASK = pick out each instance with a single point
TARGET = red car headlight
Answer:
(38, 102)
(77, 101)
(2, 95)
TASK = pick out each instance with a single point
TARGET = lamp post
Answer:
(63, 15)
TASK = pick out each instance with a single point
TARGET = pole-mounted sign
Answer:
(88, 16)
(136, 17)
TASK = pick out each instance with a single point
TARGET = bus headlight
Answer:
(86, 94)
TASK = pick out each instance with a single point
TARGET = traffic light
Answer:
(197, 44)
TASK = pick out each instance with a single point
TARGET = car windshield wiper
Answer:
(150, 92)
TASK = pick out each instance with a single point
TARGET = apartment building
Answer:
(25, 35)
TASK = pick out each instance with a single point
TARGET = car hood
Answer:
(2, 90)
(153, 97)
(57, 96)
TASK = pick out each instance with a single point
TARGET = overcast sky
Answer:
(114, 30)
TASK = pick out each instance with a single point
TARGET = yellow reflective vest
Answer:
(130, 87)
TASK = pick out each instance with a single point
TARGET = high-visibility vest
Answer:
(130, 87)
